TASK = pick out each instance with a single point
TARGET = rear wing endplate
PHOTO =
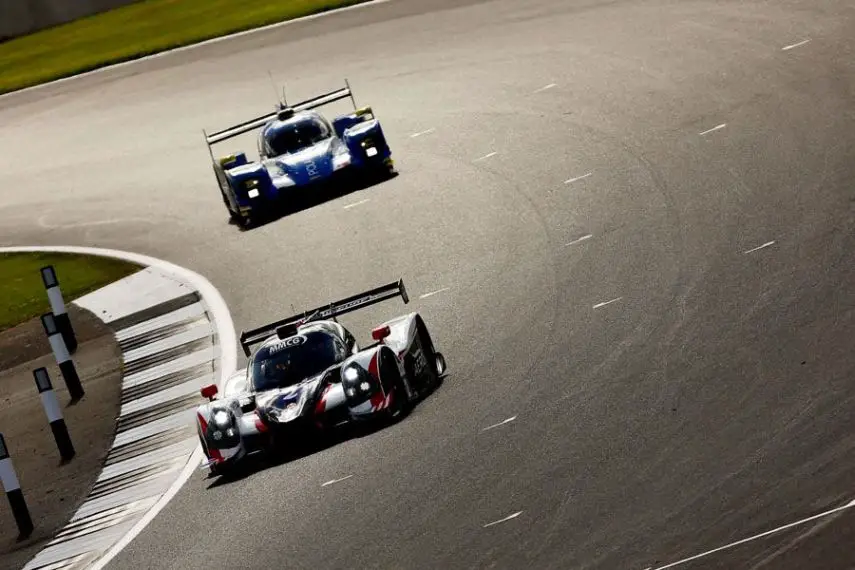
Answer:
(246, 126)
(288, 327)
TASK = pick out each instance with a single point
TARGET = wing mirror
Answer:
(381, 332)
(209, 392)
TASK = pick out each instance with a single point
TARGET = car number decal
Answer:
(419, 362)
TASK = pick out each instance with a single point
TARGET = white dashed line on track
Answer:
(598, 305)
(41, 221)
(437, 292)
(546, 88)
(758, 248)
(715, 128)
(501, 423)
(757, 536)
(422, 133)
(334, 481)
(355, 204)
(579, 240)
(572, 180)
(486, 156)
(789, 47)
(506, 519)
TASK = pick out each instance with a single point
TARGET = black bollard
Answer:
(57, 307)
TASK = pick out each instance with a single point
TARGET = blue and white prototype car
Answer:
(309, 377)
(300, 153)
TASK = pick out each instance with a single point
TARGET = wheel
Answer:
(439, 364)
(400, 404)
(379, 171)
(221, 470)
(389, 167)
(233, 216)
(435, 361)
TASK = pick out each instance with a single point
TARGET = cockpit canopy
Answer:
(290, 136)
(287, 362)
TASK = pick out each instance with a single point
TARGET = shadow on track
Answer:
(258, 462)
(311, 198)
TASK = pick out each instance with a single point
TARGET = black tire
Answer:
(219, 470)
(430, 354)
(400, 402)
(233, 216)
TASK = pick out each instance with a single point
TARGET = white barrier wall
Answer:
(19, 17)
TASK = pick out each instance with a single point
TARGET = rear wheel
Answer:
(434, 361)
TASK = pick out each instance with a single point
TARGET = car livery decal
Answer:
(287, 343)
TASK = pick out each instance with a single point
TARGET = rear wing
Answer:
(246, 126)
(288, 327)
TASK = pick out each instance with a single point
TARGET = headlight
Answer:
(253, 193)
(358, 384)
(351, 374)
(222, 418)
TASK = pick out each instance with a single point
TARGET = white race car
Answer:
(309, 376)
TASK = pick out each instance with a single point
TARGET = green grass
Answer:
(143, 28)
(22, 294)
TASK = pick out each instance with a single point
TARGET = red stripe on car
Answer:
(378, 398)
(322, 403)
(260, 425)
(212, 453)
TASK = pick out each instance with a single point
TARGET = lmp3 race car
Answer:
(309, 377)
(300, 153)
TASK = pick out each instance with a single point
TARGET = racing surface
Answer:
(674, 387)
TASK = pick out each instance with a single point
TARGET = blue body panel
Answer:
(356, 143)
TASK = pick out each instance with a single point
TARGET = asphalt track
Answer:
(710, 402)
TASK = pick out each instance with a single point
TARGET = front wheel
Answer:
(219, 470)
(399, 406)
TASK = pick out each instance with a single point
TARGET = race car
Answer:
(300, 154)
(309, 377)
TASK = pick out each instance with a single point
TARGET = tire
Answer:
(400, 403)
(233, 217)
(221, 470)
(431, 355)
(386, 170)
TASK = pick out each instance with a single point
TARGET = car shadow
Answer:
(259, 462)
(314, 198)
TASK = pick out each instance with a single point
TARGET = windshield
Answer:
(293, 138)
(290, 361)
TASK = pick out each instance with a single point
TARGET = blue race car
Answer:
(300, 153)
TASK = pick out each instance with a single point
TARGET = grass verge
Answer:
(22, 294)
(139, 29)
